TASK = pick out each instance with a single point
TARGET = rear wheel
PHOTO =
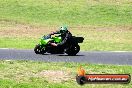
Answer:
(73, 50)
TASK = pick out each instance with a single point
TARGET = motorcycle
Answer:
(71, 47)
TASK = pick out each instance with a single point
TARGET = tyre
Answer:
(73, 50)
(37, 49)
(43, 51)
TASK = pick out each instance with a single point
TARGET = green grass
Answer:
(23, 74)
(19, 43)
(105, 24)
(95, 38)
(71, 12)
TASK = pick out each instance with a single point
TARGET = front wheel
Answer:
(73, 50)
(37, 49)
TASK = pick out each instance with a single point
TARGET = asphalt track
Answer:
(120, 58)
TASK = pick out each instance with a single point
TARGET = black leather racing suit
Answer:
(65, 37)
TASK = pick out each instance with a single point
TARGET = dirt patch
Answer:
(35, 32)
(116, 34)
(55, 76)
(8, 29)
(22, 30)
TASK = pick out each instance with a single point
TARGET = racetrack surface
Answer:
(99, 57)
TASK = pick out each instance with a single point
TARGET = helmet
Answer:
(63, 29)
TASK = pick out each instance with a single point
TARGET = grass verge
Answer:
(105, 25)
(30, 74)
(95, 38)
(58, 12)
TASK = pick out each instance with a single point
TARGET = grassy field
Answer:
(96, 38)
(71, 12)
(30, 74)
(105, 25)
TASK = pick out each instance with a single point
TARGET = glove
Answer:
(53, 44)
(52, 33)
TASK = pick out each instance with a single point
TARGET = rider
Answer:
(65, 35)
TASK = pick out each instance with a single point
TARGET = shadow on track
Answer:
(70, 56)
(62, 55)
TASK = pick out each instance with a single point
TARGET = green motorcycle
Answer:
(71, 47)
